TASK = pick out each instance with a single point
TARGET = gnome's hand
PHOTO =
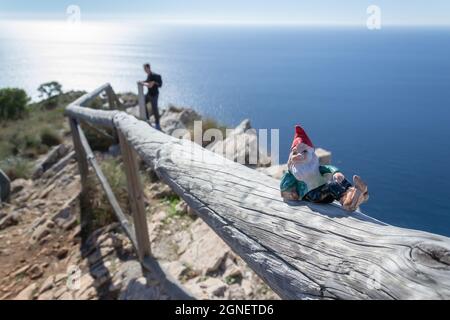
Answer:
(338, 177)
(290, 195)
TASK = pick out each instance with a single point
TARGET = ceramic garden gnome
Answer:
(307, 180)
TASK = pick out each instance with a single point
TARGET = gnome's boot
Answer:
(357, 199)
(347, 199)
(353, 198)
(361, 186)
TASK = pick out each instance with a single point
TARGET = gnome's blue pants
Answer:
(328, 192)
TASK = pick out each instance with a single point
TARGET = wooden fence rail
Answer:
(138, 232)
(299, 249)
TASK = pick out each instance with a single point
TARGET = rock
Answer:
(246, 285)
(45, 239)
(44, 193)
(47, 284)
(5, 252)
(35, 272)
(27, 293)
(20, 271)
(137, 289)
(174, 118)
(52, 157)
(324, 156)
(232, 271)
(62, 253)
(127, 271)
(241, 145)
(206, 253)
(5, 186)
(59, 292)
(61, 164)
(10, 220)
(182, 207)
(211, 287)
(47, 295)
(183, 240)
(67, 213)
(75, 234)
(42, 231)
(36, 223)
(89, 294)
(86, 281)
(66, 296)
(163, 191)
(235, 292)
(217, 289)
(19, 184)
(70, 224)
(158, 216)
(175, 268)
(60, 277)
(128, 99)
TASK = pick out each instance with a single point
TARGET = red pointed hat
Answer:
(301, 137)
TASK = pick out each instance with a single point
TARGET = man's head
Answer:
(147, 68)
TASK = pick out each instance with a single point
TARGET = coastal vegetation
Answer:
(29, 129)
(13, 103)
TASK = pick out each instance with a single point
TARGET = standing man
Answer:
(153, 83)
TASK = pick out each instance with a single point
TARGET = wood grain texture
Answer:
(102, 118)
(300, 249)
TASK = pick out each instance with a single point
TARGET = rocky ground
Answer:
(41, 255)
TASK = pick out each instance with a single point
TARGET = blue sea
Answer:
(379, 100)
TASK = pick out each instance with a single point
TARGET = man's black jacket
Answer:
(153, 91)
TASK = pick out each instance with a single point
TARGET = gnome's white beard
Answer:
(309, 172)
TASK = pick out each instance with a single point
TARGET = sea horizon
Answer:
(350, 87)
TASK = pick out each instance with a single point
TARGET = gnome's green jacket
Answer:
(288, 181)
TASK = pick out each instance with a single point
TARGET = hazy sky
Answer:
(409, 12)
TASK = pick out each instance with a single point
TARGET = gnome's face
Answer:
(301, 154)
(303, 163)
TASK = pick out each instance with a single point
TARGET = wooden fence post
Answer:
(136, 197)
(86, 219)
(83, 165)
(111, 100)
(142, 106)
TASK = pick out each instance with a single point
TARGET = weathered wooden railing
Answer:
(300, 250)
(138, 232)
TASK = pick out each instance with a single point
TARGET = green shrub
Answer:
(97, 206)
(50, 137)
(115, 175)
(13, 103)
(17, 167)
(22, 141)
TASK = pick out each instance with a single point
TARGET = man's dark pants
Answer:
(154, 102)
